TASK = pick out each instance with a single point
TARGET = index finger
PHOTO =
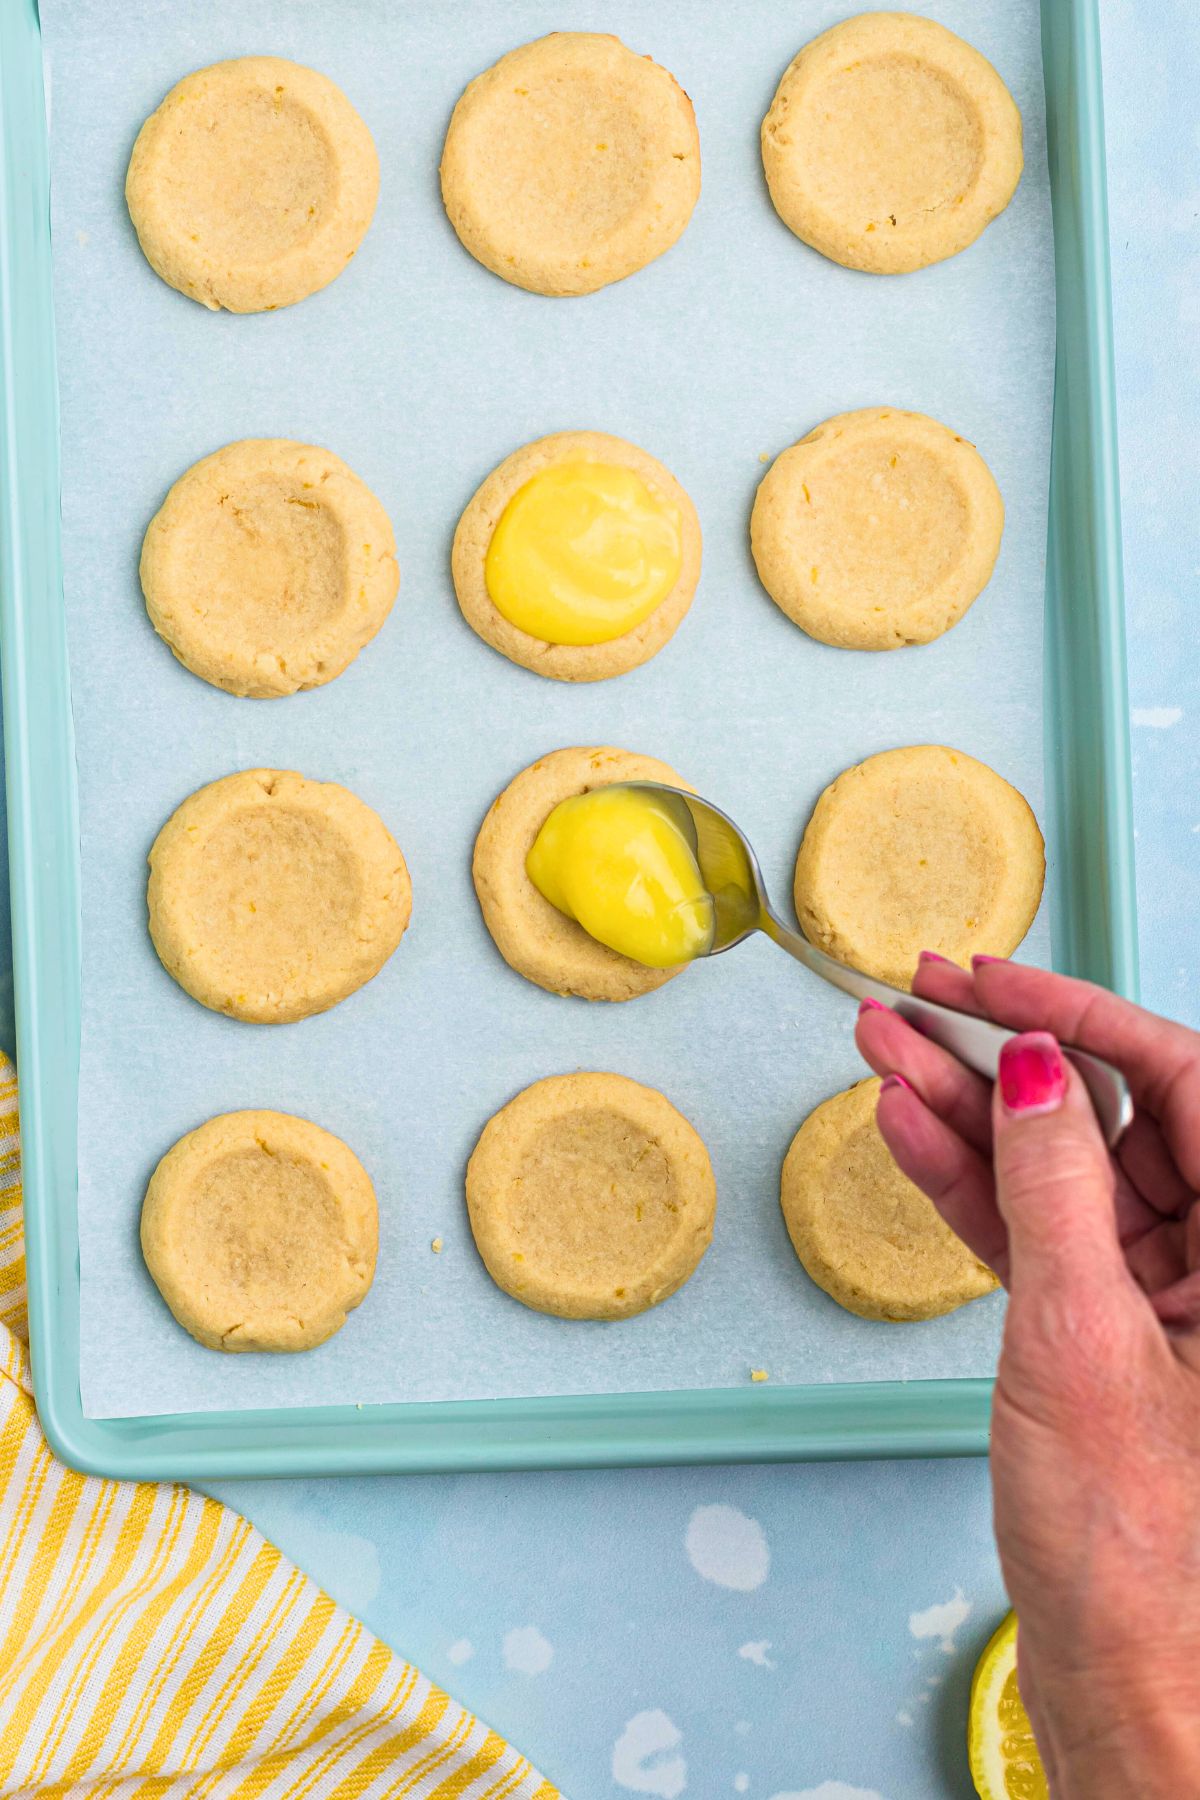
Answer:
(1153, 1054)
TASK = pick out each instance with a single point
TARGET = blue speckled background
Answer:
(808, 1633)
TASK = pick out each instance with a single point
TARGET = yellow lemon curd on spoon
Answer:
(620, 864)
(583, 553)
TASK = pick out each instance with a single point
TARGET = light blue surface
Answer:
(1089, 842)
(597, 1563)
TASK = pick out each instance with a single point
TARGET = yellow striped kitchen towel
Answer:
(152, 1643)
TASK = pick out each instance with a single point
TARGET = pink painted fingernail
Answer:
(895, 1081)
(932, 956)
(1033, 1075)
(869, 1005)
(978, 961)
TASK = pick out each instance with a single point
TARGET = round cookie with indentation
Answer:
(272, 897)
(532, 936)
(630, 542)
(252, 185)
(863, 1231)
(268, 566)
(570, 163)
(890, 143)
(918, 849)
(877, 529)
(260, 1232)
(590, 1197)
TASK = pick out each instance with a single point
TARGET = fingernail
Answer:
(869, 1005)
(895, 1081)
(978, 961)
(932, 956)
(1033, 1075)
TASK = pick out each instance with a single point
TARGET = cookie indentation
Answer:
(863, 1231)
(268, 567)
(570, 163)
(590, 1197)
(260, 1231)
(272, 897)
(890, 143)
(878, 529)
(252, 184)
(918, 849)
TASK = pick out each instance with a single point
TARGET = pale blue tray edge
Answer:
(1089, 830)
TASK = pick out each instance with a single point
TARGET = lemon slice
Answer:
(1005, 1764)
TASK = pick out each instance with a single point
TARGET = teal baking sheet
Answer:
(140, 369)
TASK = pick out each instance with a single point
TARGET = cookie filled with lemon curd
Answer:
(922, 848)
(891, 143)
(252, 185)
(570, 163)
(578, 557)
(560, 865)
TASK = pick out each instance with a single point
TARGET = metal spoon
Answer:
(741, 905)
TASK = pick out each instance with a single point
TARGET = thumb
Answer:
(1054, 1180)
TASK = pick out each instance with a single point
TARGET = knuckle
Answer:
(1074, 1346)
(1071, 1334)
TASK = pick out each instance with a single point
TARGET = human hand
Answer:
(1096, 1418)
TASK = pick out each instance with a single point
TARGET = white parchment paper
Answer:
(423, 371)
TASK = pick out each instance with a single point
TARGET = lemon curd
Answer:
(583, 553)
(620, 864)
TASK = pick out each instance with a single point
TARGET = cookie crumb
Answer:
(759, 1375)
(436, 1246)
(764, 456)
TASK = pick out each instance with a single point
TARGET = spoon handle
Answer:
(976, 1042)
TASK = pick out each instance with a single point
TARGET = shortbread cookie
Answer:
(878, 529)
(918, 849)
(890, 143)
(532, 936)
(570, 163)
(272, 897)
(590, 1197)
(260, 1232)
(863, 1231)
(252, 185)
(565, 559)
(268, 566)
